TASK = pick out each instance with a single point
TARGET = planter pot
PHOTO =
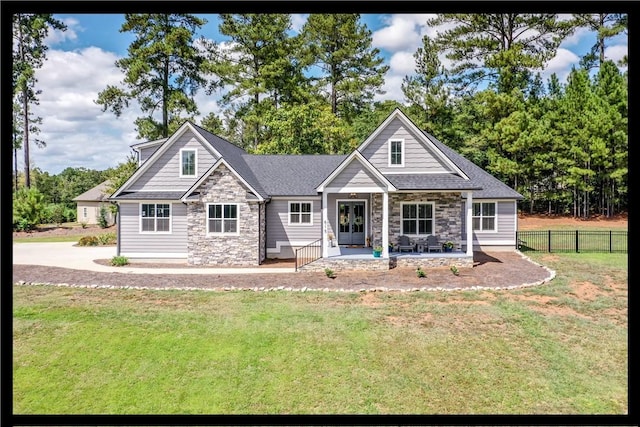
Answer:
(377, 254)
(448, 249)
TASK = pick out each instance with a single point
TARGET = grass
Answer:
(47, 239)
(552, 349)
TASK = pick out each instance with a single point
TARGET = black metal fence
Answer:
(309, 253)
(572, 241)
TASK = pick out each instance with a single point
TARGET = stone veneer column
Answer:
(243, 249)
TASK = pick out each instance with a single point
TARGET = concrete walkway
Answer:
(66, 255)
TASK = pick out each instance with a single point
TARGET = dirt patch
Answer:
(586, 291)
(501, 269)
(536, 222)
(64, 230)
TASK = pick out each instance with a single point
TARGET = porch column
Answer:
(385, 225)
(323, 230)
(469, 224)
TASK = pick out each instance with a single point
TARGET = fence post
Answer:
(577, 241)
(549, 240)
(610, 245)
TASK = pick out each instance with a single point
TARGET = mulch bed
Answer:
(491, 270)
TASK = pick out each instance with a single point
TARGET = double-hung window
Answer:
(484, 216)
(187, 162)
(222, 218)
(417, 218)
(300, 213)
(396, 148)
(155, 217)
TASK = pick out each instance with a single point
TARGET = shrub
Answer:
(83, 224)
(119, 261)
(455, 270)
(330, 273)
(28, 208)
(102, 219)
(88, 241)
(107, 239)
(420, 272)
(56, 213)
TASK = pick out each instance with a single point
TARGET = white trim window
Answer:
(300, 213)
(396, 152)
(155, 217)
(417, 218)
(222, 218)
(484, 216)
(188, 162)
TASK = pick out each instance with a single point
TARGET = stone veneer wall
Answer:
(263, 232)
(447, 215)
(381, 264)
(242, 249)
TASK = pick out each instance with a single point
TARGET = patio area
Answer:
(367, 253)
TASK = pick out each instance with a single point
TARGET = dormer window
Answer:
(396, 152)
(188, 164)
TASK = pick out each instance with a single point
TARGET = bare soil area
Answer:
(533, 222)
(500, 269)
(64, 230)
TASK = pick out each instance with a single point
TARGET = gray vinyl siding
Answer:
(417, 157)
(132, 241)
(506, 212)
(145, 153)
(164, 173)
(355, 175)
(278, 228)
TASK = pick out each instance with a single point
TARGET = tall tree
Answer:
(605, 25)
(351, 71)
(499, 48)
(259, 67)
(426, 91)
(162, 72)
(29, 53)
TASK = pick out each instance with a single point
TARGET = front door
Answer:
(351, 223)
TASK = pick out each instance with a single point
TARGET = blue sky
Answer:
(80, 63)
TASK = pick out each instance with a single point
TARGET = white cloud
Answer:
(76, 130)
(393, 88)
(616, 53)
(404, 32)
(560, 64)
(298, 20)
(57, 36)
(402, 63)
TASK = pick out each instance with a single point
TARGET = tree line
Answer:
(562, 145)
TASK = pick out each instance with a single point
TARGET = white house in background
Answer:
(200, 197)
(90, 202)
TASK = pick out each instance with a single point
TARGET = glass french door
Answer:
(351, 223)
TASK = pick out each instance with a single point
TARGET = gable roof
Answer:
(95, 194)
(355, 155)
(220, 161)
(492, 187)
(398, 114)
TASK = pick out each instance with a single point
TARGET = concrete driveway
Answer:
(66, 255)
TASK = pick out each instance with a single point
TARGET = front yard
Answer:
(560, 348)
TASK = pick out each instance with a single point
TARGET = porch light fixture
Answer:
(353, 196)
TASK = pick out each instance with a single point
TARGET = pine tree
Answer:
(162, 72)
(344, 66)
(29, 53)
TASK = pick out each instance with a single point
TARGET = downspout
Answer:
(117, 219)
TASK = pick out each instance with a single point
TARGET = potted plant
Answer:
(330, 236)
(377, 251)
(447, 246)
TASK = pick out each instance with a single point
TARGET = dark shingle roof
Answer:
(235, 156)
(492, 188)
(291, 175)
(432, 181)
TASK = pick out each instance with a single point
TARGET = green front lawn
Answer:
(552, 349)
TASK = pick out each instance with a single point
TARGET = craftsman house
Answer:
(198, 197)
